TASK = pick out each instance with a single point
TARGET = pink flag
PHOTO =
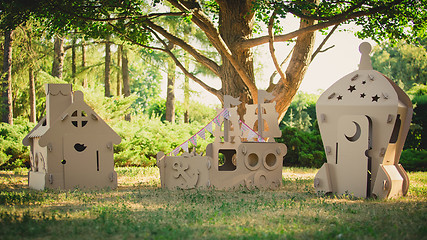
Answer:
(175, 151)
(216, 120)
(226, 114)
(244, 127)
(201, 133)
(251, 135)
(184, 146)
(193, 140)
(209, 127)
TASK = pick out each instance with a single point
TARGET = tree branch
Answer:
(249, 43)
(208, 88)
(188, 48)
(273, 75)
(201, 20)
(319, 18)
(133, 41)
(271, 46)
(319, 49)
(110, 19)
(212, 33)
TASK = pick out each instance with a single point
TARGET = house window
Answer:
(79, 118)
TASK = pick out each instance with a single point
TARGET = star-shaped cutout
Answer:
(375, 98)
(362, 95)
(339, 97)
(363, 82)
(352, 88)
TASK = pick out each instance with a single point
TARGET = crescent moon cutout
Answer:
(356, 135)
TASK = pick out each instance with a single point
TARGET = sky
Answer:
(327, 67)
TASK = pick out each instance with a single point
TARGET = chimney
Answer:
(58, 98)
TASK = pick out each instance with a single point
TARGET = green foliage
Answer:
(144, 137)
(391, 20)
(114, 108)
(145, 86)
(413, 160)
(199, 113)
(417, 136)
(305, 149)
(12, 152)
(302, 112)
(403, 63)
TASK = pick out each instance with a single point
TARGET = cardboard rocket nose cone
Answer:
(365, 60)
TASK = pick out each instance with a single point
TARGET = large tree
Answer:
(229, 26)
(6, 80)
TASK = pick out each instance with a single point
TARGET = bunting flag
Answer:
(252, 134)
(216, 120)
(202, 133)
(175, 151)
(209, 127)
(226, 114)
(193, 140)
(184, 146)
(244, 127)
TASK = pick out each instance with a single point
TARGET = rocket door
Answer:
(353, 166)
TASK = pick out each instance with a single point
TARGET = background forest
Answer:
(140, 115)
(122, 83)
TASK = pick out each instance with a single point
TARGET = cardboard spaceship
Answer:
(234, 159)
(71, 146)
(364, 119)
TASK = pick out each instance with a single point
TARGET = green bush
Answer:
(305, 149)
(12, 152)
(144, 137)
(413, 160)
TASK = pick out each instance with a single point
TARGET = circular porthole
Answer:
(252, 161)
(270, 161)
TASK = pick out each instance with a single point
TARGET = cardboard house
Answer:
(71, 146)
(364, 119)
(238, 157)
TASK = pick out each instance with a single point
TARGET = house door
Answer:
(81, 164)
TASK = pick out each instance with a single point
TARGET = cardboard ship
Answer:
(71, 146)
(364, 119)
(236, 158)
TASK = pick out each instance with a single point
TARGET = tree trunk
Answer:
(58, 58)
(186, 92)
(286, 89)
(236, 21)
(84, 82)
(125, 76)
(32, 94)
(119, 73)
(73, 59)
(170, 93)
(7, 108)
(107, 68)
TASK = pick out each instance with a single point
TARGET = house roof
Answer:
(63, 124)
(37, 131)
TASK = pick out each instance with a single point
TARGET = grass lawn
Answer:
(139, 209)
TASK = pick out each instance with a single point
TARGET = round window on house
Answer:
(79, 120)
